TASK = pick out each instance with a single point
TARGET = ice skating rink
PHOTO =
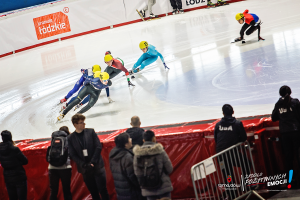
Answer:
(206, 71)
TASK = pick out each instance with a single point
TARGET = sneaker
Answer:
(153, 16)
(174, 11)
(143, 13)
(60, 117)
(180, 11)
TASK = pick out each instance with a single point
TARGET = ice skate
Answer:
(210, 4)
(222, 3)
(77, 107)
(110, 100)
(152, 16)
(63, 107)
(60, 117)
(174, 12)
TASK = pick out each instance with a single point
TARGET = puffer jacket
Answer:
(121, 166)
(164, 165)
(136, 134)
(12, 160)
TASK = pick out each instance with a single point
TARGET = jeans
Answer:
(95, 181)
(159, 196)
(65, 176)
(17, 191)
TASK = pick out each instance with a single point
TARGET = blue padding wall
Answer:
(9, 5)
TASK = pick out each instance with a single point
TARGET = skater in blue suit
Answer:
(150, 55)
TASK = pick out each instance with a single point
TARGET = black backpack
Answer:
(150, 178)
(57, 153)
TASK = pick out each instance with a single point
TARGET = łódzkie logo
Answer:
(229, 178)
(50, 25)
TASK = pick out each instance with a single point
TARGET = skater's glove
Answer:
(243, 41)
(109, 100)
(82, 71)
(166, 66)
(260, 38)
(130, 84)
(63, 100)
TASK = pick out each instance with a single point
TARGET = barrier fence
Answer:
(223, 175)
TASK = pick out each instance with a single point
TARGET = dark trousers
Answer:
(85, 91)
(65, 176)
(17, 191)
(159, 196)
(290, 145)
(95, 181)
(176, 4)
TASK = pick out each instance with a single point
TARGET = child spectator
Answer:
(152, 167)
(12, 161)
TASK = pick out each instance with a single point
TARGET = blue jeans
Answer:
(17, 191)
(143, 61)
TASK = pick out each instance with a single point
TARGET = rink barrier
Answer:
(217, 177)
(94, 30)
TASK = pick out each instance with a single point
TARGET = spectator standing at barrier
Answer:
(136, 133)
(59, 164)
(287, 112)
(12, 161)
(85, 149)
(121, 166)
(152, 167)
(228, 132)
(177, 6)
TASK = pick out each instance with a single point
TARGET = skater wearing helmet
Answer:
(115, 66)
(251, 22)
(150, 55)
(93, 87)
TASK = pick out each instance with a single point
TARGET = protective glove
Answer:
(166, 66)
(260, 38)
(130, 84)
(63, 100)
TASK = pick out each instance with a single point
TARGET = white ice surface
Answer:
(206, 71)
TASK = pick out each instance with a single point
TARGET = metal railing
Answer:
(222, 176)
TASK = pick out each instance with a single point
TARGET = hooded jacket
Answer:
(229, 131)
(164, 165)
(136, 134)
(121, 166)
(289, 118)
(12, 160)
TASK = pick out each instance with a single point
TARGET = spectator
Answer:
(65, 129)
(121, 166)
(287, 112)
(228, 132)
(152, 159)
(177, 6)
(85, 149)
(59, 164)
(136, 133)
(12, 161)
(149, 6)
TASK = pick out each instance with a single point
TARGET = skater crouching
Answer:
(251, 22)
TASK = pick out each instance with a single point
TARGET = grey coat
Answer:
(164, 165)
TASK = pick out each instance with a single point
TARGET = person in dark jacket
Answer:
(12, 161)
(85, 149)
(62, 172)
(121, 166)
(228, 132)
(136, 133)
(164, 165)
(287, 112)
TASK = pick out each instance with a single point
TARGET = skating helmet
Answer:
(108, 58)
(96, 68)
(143, 44)
(239, 16)
(101, 75)
(108, 52)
